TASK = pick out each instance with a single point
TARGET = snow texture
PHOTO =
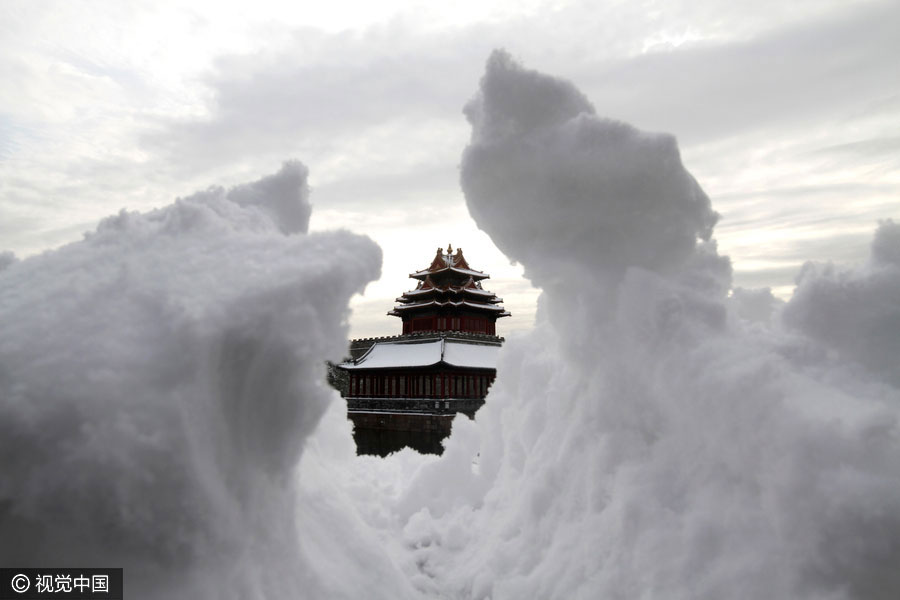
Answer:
(855, 311)
(477, 356)
(7, 259)
(560, 163)
(383, 355)
(449, 303)
(158, 381)
(424, 354)
(646, 440)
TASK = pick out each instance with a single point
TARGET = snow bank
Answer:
(158, 381)
(855, 311)
(561, 163)
(647, 440)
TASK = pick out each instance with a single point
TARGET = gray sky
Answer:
(788, 115)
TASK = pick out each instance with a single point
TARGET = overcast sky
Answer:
(788, 115)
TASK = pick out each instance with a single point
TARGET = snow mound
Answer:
(646, 440)
(158, 383)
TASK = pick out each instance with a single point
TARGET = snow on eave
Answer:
(426, 354)
(398, 355)
(454, 288)
(474, 274)
(491, 307)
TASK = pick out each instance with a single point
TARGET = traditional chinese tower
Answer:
(406, 389)
(449, 297)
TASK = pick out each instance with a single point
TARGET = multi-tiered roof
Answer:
(449, 297)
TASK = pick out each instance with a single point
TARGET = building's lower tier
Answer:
(432, 406)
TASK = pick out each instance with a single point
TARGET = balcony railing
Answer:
(416, 405)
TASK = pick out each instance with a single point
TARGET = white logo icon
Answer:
(20, 583)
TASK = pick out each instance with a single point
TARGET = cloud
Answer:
(886, 245)
(322, 92)
(319, 89)
(778, 80)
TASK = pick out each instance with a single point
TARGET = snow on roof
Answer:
(424, 354)
(381, 356)
(487, 306)
(470, 272)
(449, 303)
(449, 289)
(478, 291)
(479, 356)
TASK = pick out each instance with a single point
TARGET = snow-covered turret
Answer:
(449, 297)
(406, 389)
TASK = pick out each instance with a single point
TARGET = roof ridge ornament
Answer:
(459, 260)
(438, 262)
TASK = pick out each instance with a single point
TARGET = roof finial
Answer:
(449, 249)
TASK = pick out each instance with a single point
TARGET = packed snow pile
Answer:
(646, 439)
(158, 381)
(855, 311)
